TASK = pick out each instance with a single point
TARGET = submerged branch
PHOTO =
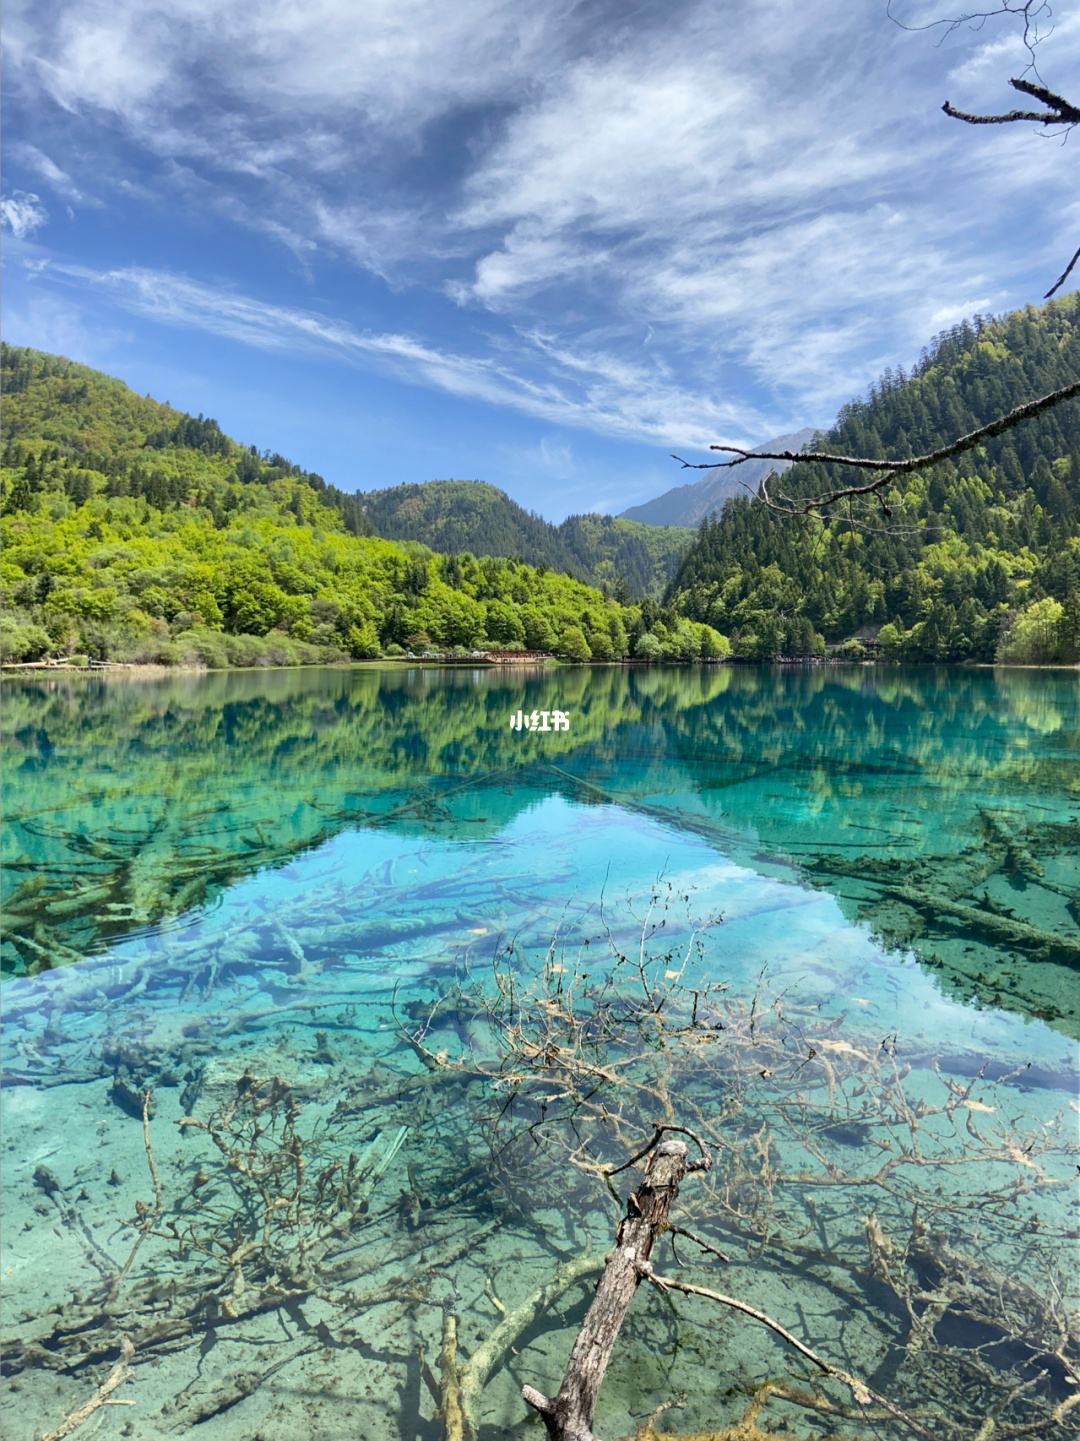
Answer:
(862, 1393)
(101, 1397)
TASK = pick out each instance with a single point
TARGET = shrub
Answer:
(600, 645)
(685, 642)
(362, 641)
(1034, 636)
(891, 638)
(648, 647)
(539, 632)
(203, 647)
(712, 645)
(243, 650)
(573, 645)
(23, 639)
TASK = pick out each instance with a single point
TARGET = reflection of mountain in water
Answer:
(932, 804)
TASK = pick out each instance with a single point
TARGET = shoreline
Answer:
(147, 670)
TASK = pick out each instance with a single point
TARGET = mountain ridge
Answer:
(479, 517)
(134, 532)
(688, 505)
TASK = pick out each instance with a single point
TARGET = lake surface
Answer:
(332, 878)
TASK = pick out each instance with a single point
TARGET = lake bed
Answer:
(326, 880)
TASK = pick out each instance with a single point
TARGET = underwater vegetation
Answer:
(345, 1029)
(391, 1193)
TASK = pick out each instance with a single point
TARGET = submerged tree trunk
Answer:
(569, 1416)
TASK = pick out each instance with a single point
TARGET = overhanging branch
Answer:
(1060, 281)
(1059, 111)
(887, 470)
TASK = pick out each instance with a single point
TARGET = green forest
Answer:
(630, 559)
(135, 533)
(978, 559)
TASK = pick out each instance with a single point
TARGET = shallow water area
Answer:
(289, 906)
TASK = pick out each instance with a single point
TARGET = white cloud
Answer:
(22, 212)
(550, 459)
(594, 392)
(773, 208)
(108, 55)
(529, 257)
(770, 193)
(652, 145)
(49, 322)
(556, 458)
(397, 62)
(42, 165)
(825, 301)
(320, 104)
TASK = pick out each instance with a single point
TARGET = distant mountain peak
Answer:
(688, 505)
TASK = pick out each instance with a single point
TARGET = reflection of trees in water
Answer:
(934, 806)
(130, 802)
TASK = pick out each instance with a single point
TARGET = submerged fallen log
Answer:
(458, 1389)
(924, 894)
(1037, 944)
(569, 1415)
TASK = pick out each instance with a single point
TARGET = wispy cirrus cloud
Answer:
(793, 230)
(590, 391)
(771, 192)
(397, 63)
(47, 169)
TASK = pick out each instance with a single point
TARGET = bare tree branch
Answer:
(1060, 281)
(1059, 112)
(1034, 13)
(888, 469)
(862, 1393)
(1037, 17)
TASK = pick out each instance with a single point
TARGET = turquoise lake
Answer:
(364, 883)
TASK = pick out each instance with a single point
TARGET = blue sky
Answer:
(540, 245)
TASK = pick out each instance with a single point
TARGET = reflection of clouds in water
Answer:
(133, 803)
(403, 903)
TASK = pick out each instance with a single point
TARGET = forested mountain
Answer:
(690, 504)
(88, 422)
(977, 558)
(134, 532)
(453, 515)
